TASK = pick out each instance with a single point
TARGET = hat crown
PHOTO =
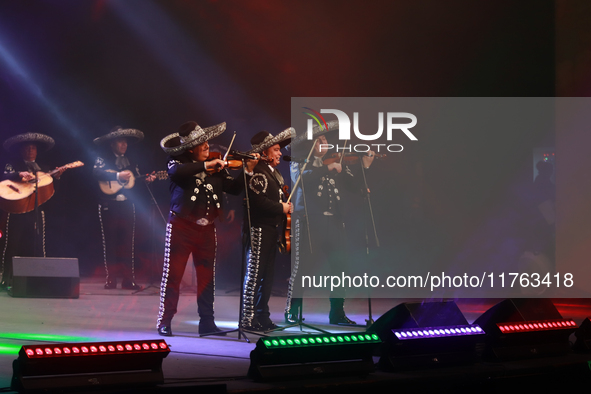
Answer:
(259, 137)
(186, 128)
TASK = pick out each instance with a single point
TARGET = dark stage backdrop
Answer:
(73, 69)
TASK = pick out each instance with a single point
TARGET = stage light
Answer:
(525, 328)
(418, 335)
(89, 365)
(313, 355)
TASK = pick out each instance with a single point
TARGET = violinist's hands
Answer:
(151, 177)
(335, 166)
(26, 176)
(251, 164)
(213, 164)
(124, 176)
(287, 207)
(368, 159)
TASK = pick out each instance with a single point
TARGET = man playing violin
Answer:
(21, 236)
(117, 210)
(326, 241)
(197, 184)
(267, 211)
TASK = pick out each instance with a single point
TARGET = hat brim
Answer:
(317, 131)
(42, 140)
(133, 135)
(172, 144)
(283, 139)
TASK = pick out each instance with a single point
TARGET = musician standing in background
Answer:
(326, 242)
(24, 232)
(116, 175)
(267, 212)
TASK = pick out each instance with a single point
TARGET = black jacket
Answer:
(191, 188)
(265, 196)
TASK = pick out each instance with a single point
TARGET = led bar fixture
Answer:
(67, 366)
(294, 356)
(92, 349)
(537, 325)
(437, 332)
(320, 340)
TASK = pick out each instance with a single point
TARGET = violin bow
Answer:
(302, 170)
(230, 146)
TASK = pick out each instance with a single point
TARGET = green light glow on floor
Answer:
(44, 337)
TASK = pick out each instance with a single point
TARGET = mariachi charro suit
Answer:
(196, 201)
(117, 219)
(21, 237)
(266, 213)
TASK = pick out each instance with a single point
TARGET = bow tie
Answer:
(121, 162)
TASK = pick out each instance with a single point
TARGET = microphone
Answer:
(239, 155)
(289, 158)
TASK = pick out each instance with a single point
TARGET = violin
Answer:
(348, 159)
(231, 163)
(285, 241)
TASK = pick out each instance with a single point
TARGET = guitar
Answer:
(112, 187)
(18, 197)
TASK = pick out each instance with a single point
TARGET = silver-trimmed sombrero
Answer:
(190, 135)
(317, 131)
(132, 135)
(264, 140)
(45, 141)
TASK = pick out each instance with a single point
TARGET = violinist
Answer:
(323, 238)
(196, 186)
(267, 211)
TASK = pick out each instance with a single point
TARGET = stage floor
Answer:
(212, 362)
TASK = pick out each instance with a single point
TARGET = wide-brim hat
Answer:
(189, 135)
(264, 140)
(43, 141)
(132, 135)
(317, 131)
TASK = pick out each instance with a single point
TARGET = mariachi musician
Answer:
(25, 232)
(116, 173)
(267, 212)
(197, 183)
(320, 222)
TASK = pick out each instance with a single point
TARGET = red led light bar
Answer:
(94, 348)
(537, 325)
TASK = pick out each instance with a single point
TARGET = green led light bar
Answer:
(320, 340)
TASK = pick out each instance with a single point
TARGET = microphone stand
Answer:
(152, 225)
(369, 321)
(300, 321)
(37, 224)
(240, 330)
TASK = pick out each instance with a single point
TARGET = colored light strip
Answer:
(537, 325)
(93, 348)
(320, 340)
(437, 332)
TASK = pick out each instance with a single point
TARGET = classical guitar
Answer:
(112, 187)
(19, 197)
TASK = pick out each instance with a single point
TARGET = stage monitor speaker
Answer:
(525, 328)
(306, 356)
(83, 367)
(45, 277)
(426, 334)
(583, 335)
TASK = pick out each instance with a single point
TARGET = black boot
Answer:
(292, 313)
(337, 312)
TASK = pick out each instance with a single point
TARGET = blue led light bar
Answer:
(437, 332)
